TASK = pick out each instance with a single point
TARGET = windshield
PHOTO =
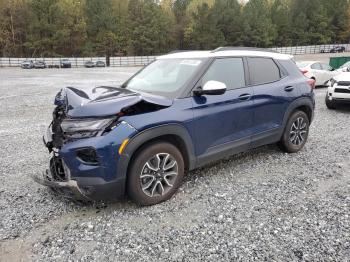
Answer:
(164, 77)
(347, 64)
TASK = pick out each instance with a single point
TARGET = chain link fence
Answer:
(125, 61)
(80, 61)
(312, 49)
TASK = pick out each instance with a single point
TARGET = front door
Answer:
(223, 122)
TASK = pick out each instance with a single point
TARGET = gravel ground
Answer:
(259, 205)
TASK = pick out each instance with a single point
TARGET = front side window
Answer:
(229, 71)
(164, 77)
(263, 71)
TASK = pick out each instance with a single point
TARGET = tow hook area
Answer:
(67, 188)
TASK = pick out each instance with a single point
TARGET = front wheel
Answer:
(296, 133)
(155, 174)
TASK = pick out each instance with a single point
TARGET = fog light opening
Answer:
(88, 156)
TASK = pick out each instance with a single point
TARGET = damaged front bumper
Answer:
(68, 188)
(73, 176)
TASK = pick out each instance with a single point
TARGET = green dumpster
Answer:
(337, 62)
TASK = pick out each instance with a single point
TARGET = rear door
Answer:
(223, 122)
(273, 91)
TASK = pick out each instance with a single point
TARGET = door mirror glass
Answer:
(211, 88)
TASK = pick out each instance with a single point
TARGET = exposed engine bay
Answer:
(102, 104)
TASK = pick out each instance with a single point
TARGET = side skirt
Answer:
(226, 150)
(222, 151)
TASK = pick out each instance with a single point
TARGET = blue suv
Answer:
(182, 111)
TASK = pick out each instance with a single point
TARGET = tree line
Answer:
(42, 28)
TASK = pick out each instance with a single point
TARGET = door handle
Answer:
(289, 88)
(244, 97)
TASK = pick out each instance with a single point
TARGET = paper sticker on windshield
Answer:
(190, 62)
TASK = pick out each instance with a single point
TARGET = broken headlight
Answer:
(83, 128)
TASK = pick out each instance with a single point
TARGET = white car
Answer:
(338, 90)
(319, 71)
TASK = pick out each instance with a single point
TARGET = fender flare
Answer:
(304, 101)
(152, 133)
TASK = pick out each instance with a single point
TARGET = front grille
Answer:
(344, 83)
(342, 90)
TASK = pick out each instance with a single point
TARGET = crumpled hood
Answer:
(103, 100)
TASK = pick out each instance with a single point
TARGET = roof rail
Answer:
(242, 48)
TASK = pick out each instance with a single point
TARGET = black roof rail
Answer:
(242, 48)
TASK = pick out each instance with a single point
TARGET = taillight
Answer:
(312, 83)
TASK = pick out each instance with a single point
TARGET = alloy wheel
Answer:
(159, 174)
(298, 131)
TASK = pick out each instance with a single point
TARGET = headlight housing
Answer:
(333, 82)
(87, 127)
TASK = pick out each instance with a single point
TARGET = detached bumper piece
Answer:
(69, 188)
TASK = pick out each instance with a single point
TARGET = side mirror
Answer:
(211, 88)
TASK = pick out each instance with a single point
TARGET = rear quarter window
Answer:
(291, 68)
(263, 70)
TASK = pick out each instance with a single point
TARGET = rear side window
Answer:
(263, 70)
(226, 70)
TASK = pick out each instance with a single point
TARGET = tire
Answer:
(296, 133)
(160, 180)
(330, 105)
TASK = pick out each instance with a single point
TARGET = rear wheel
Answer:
(155, 174)
(296, 132)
